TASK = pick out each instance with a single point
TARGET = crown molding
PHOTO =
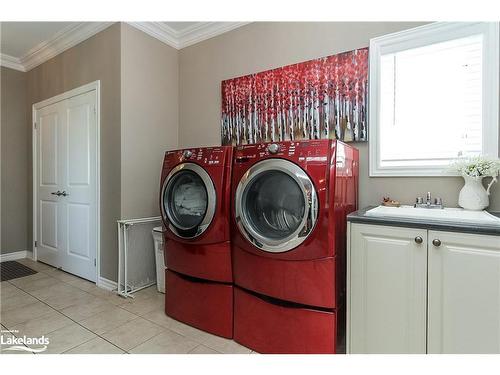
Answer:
(206, 30)
(180, 39)
(74, 34)
(64, 39)
(159, 31)
(11, 62)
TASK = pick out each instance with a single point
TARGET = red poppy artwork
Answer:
(321, 98)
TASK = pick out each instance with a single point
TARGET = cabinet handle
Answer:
(419, 239)
(436, 242)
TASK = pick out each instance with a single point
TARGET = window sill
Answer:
(411, 172)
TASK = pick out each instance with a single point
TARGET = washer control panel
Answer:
(300, 151)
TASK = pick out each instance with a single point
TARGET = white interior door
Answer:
(66, 180)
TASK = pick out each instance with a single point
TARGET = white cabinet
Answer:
(387, 291)
(463, 293)
(417, 291)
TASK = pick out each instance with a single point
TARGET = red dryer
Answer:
(195, 207)
(288, 244)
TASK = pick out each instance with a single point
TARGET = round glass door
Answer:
(276, 205)
(188, 200)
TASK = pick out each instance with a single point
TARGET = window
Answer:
(433, 98)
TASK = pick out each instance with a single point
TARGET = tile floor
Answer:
(79, 318)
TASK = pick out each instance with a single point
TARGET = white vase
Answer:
(473, 195)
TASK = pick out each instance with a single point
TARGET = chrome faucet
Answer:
(438, 202)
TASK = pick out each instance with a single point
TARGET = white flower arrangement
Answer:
(477, 167)
(473, 195)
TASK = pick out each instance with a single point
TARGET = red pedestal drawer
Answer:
(268, 327)
(201, 304)
(205, 261)
(310, 282)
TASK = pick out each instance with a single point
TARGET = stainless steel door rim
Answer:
(309, 196)
(198, 229)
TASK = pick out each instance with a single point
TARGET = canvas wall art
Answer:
(321, 98)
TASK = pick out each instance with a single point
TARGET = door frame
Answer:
(92, 86)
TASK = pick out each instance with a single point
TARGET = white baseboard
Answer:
(107, 284)
(16, 255)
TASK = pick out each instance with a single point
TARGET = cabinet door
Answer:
(387, 289)
(464, 293)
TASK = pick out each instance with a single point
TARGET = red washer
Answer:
(288, 244)
(195, 207)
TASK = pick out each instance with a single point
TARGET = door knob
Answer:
(436, 242)
(419, 239)
(64, 193)
(56, 193)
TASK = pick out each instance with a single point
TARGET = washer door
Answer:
(188, 200)
(276, 205)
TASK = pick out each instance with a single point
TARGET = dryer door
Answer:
(276, 205)
(188, 200)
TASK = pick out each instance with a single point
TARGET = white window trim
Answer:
(420, 36)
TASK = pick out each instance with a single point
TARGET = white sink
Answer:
(445, 214)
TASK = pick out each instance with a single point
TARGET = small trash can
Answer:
(160, 260)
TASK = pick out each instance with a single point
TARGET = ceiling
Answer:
(25, 45)
(19, 37)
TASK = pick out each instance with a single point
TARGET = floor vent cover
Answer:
(13, 270)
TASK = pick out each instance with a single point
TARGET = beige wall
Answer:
(261, 46)
(149, 118)
(15, 144)
(97, 58)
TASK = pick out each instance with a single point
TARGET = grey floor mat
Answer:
(13, 270)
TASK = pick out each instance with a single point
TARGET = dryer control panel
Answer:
(299, 151)
(204, 156)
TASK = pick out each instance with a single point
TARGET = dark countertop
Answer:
(451, 226)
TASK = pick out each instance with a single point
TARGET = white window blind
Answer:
(433, 98)
(431, 103)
